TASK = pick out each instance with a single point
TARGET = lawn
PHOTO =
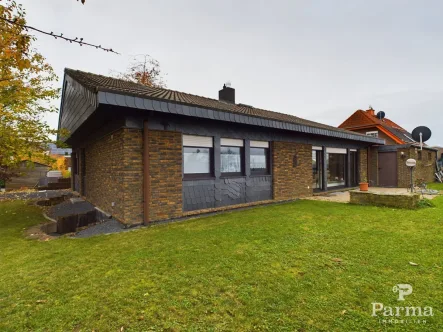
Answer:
(304, 266)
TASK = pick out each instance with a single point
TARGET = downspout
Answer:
(146, 175)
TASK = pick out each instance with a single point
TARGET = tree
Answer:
(144, 71)
(25, 94)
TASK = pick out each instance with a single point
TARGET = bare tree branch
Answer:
(71, 40)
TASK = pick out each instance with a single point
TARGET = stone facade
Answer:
(114, 174)
(165, 174)
(363, 164)
(104, 167)
(425, 168)
(373, 166)
(292, 170)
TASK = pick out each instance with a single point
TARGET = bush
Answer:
(66, 174)
(425, 203)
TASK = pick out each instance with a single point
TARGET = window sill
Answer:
(198, 178)
(257, 175)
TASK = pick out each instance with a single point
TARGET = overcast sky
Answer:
(319, 60)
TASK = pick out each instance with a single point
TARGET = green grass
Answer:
(435, 186)
(268, 268)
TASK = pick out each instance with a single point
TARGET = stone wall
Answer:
(408, 201)
(292, 170)
(425, 168)
(165, 174)
(363, 165)
(373, 166)
(114, 174)
(104, 160)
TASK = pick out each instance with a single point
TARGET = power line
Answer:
(71, 40)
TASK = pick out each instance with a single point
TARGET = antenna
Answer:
(421, 134)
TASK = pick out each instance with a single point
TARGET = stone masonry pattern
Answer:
(425, 168)
(363, 167)
(165, 169)
(292, 181)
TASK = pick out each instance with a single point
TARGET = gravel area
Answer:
(107, 227)
(24, 195)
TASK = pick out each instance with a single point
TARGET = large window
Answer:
(259, 158)
(336, 166)
(197, 156)
(317, 168)
(231, 156)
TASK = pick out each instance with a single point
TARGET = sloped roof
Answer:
(362, 118)
(96, 83)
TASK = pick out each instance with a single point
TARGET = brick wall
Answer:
(114, 175)
(373, 166)
(133, 175)
(104, 170)
(363, 167)
(291, 182)
(165, 169)
(425, 168)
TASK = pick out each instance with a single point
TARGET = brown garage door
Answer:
(387, 169)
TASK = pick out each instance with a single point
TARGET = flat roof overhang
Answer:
(116, 99)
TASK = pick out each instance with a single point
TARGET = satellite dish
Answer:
(381, 115)
(421, 134)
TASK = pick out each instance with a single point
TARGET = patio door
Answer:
(387, 169)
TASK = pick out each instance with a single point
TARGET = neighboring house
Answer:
(439, 155)
(387, 166)
(30, 172)
(53, 150)
(148, 154)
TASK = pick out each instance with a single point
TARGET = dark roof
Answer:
(404, 135)
(97, 83)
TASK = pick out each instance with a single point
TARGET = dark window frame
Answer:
(200, 176)
(242, 162)
(266, 171)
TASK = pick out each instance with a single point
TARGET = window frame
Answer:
(266, 171)
(371, 133)
(203, 176)
(242, 162)
(208, 175)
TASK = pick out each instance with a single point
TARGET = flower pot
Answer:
(364, 186)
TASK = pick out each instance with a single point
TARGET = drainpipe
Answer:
(146, 175)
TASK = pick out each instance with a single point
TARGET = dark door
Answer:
(387, 169)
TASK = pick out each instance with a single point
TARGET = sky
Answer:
(319, 60)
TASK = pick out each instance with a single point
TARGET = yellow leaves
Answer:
(26, 90)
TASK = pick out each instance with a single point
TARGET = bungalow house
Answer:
(148, 154)
(387, 166)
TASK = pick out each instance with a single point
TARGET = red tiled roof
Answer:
(367, 118)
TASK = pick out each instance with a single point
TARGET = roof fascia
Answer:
(111, 98)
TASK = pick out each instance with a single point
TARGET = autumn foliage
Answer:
(25, 93)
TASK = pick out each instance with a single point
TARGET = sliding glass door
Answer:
(317, 169)
(336, 169)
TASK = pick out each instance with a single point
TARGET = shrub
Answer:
(425, 203)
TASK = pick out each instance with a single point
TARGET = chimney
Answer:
(227, 94)
(371, 112)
